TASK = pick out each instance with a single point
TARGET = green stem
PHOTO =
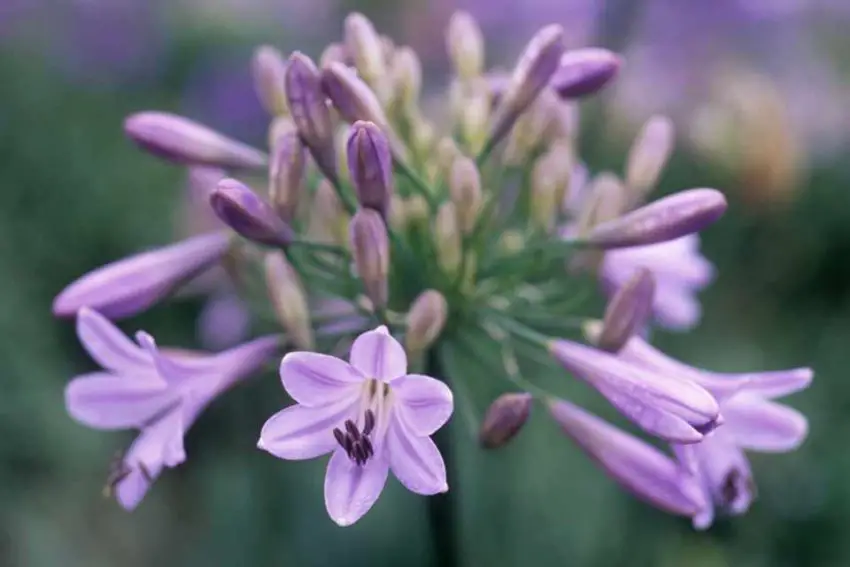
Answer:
(417, 182)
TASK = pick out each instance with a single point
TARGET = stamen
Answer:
(340, 437)
(352, 430)
(368, 422)
(367, 447)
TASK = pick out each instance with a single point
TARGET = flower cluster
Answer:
(426, 249)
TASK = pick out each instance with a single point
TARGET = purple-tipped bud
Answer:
(465, 44)
(649, 154)
(246, 213)
(185, 141)
(286, 174)
(465, 192)
(505, 417)
(131, 285)
(668, 407)
(371, 250)
(636, 465)
(310, 112)
(628, 311)
(269, 70)
(352, 97)
(370, 166)
(365, 46)
(666, 219)
(288, 299)
(425, 321)
(584, 72)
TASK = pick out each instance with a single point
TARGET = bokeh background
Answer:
(760, 92)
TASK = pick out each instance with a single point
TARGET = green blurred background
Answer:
(76, 194)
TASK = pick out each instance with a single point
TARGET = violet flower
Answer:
(370, 413)
(158, 392)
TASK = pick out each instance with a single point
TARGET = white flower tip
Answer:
(261, 444)
(145, 340)
(443, 488)
(382, 329)
(344, 521)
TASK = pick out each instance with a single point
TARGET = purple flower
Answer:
(129, 286)
(160, 393)
(662, 405)
(679, 269)
(370, 413)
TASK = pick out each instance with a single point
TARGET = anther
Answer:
(352, 430)
(367, 447)
(368, 422)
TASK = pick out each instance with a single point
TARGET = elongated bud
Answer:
(407, 76)
(446, 153)
(606, 201)
(666, 219)
(370, 166)
(328, 218)
(269, 70)
(132, 285)
(397, 217)
(505, 417)
(371, 250)
(532, 130)
(425, 321)
(335, 52)
(584, 72)
(447, 238)
(243, 211)
(416, 210)
(352, 97)
(627, 311)
(465, 191)
(648, 155)
(465, 44)
(549, 182)
(532, 74)
(288, 299)
(286, 175)
(310, 112)
(181, 140)
(366, 48)
(280, 126)
(474, 117)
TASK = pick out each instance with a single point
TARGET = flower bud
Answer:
(366, 48)
(666, 219)
(416, 210)
(532, 129)
(269, 72)
(512, 241)
(548, 185)
(335, 52)
(447, 238)
(288, 299)
(310, 112)
(648, 155)
(446, 153)
(370, 165)
(465, 192)
(425, 321)
(328, 218)
(243, 211)
(505, 417)
(474, 118)
(181, 140)
(286, 175)
(371, 250)
(397, 217)
(465, 44)
(280, 126)
(584, 72)
(606, 200)
(352, 97)
(407, 76)
(627, 311)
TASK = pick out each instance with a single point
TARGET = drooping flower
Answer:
(158, 392)
(371, 414)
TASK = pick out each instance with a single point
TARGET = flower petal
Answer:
(725, 472)
(778, 383)
(107, 344)
(378, 355)
(351, 490)
(166, 369)
(314, 379)
(415, 461)
(105, 401)
(761, 425)
(426, 403)
(298, 432)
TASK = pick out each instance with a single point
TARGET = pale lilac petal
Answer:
(378, 355)
(761, 425)
(415, 461)
(725, 472)
(107, 345)
(350, 489)
(777, 383)
(677, 309)
(105, 401)
(223, 322)
(299, 432)
(167, 371)
(314, 379)
(425, 403)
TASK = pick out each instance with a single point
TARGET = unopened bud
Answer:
(286, 175)
(329, 219)
(584, 72)
(398, 214)
(416, 209)
(648, 155)
(181, 140)
(280, 126)
(465, 44)
(512, 241)
(310, 112)
(352, 97)
(447, 238)
(446, 153)
(288, 299)
(366, 48)
(423, 137)
(465, 192)
(627, 311)
(606, 201)
(247, 214)
(531, 130)
(474, 118)
(407, 76)
(269, 70)
(371, 251)
(504, 419)
(425, 320)
(334, 53)
(370, 166)
(666, 219)
(550, 178)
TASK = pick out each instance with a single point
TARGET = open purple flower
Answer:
(370, 413)
(160, 393)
